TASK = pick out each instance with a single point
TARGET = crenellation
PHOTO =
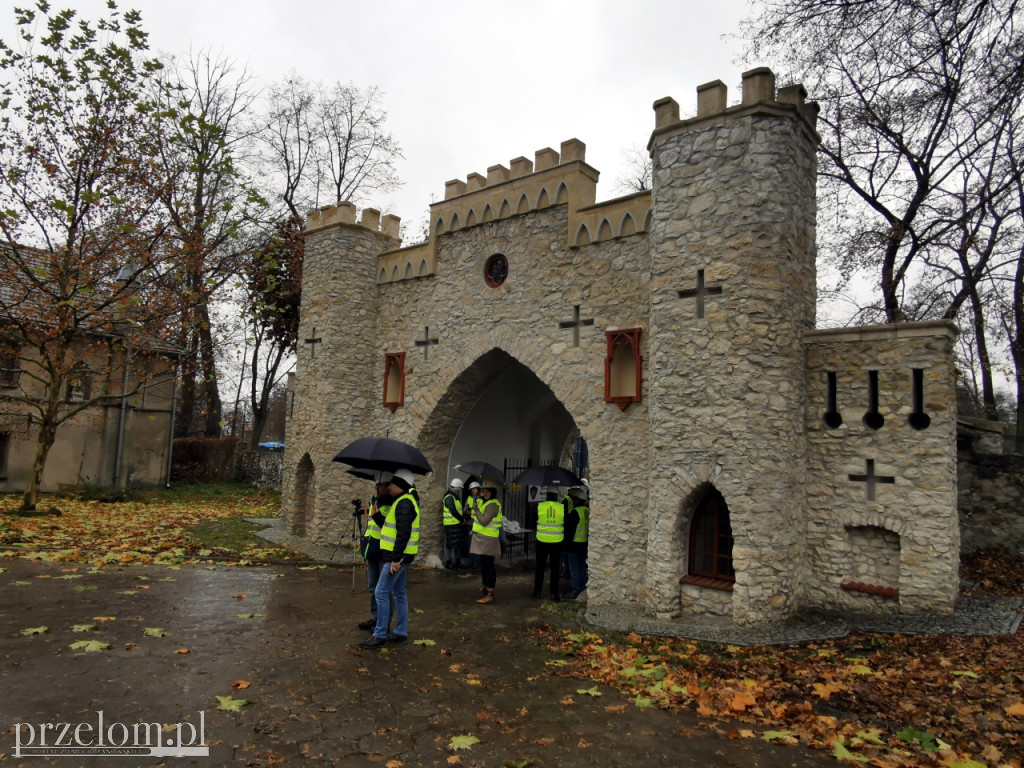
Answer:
(545, 158)
(391, 226)
(520, 166)
(758, 85)
(370, 218)
(475, 181)
(711, 98)
(573, 150)
(666, 112)
(497, 174)
(454, 188)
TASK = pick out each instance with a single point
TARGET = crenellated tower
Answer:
(338, 356)
(733, 291)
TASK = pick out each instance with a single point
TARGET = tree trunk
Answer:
(47, 434)
(210, 392)
(988, 392)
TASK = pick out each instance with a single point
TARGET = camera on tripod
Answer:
(357, 507)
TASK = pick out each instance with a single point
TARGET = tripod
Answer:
(356, 532)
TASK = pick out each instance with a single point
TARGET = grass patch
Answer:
(233, 534)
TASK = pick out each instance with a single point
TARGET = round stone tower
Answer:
(733, 290)
(339, 358)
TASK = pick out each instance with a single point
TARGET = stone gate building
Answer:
(742, 463)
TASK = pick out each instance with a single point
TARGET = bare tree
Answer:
(920, 100)
(638, 173)
(212, 207)
(327, 144)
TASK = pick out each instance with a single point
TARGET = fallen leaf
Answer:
(231, 704)
(35, 631)
(239, 597)
(85, 627)
(427, 643)
(840, 752)
(183, 651)
(240, 685)
(153, 632)
(462, 742)
(1016, 709)
(90, 646)
(589, 692)
(741, 701)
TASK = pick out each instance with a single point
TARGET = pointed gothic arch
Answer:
(471, 218)
(524, 204)
(542, 199)
(604, 230)
(505, 210)
(628, 225)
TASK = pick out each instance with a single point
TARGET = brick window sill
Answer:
(870, 589)
(725, 585)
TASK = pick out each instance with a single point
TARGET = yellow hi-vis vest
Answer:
(389, 532)
(372, 529)
(449, 518)
(550, 522)
(583, 527)
(493, 528)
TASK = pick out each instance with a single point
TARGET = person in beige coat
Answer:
(486, 543)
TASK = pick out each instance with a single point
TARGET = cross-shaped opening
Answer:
(426, 342)
(872, 479)
(701, 292)
(313, 340)
(575, 324)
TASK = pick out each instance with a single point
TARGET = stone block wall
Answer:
(878, 481)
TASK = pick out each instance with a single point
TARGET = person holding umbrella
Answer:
(486, 544)
(399, 543)
(550, 530)
(451, 511)
(371, 554)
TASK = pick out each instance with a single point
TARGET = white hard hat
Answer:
(406, 476)
(473, 485)
(385, 477)
(586, 483)
(456, 483)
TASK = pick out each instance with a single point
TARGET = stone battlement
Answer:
(345, 213)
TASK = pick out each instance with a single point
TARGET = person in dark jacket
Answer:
(399, 543)
(371, 552)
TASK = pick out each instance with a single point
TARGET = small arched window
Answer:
(711, 542)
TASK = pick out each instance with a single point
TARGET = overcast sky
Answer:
(468, 84)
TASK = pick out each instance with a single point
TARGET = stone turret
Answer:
(339, 358)
(733, 290)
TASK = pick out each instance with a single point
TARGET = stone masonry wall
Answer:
(918, 501)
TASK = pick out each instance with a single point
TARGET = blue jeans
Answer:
(372, 577)
(578, 570)
(392, 588)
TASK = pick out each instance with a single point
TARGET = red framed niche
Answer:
(623, 367)
(394, 380)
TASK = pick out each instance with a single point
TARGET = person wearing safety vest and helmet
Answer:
(550, 532)
(399, 543)
(371, 553)
(470, 506)
(577, 535)
(486, 544)
(452, 517)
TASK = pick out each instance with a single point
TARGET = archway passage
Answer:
(497, 410)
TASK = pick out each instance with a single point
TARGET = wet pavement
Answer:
(286, 640)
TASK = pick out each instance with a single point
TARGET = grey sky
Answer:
(468, 84)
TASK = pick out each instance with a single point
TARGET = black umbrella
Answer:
(383, 453)
(548, 476)
(482, 469)
(365, 474)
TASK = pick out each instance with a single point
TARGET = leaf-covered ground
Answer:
(880, 700)
(159, 526)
